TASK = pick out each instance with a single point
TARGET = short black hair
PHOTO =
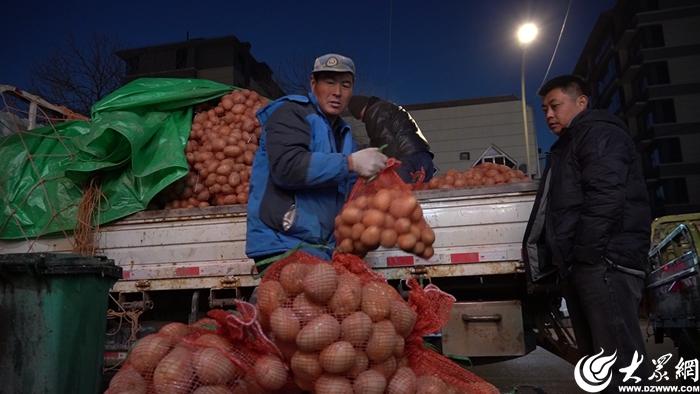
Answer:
(568, 83)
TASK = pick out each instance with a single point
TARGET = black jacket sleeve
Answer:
(388, 124)
(604, 155)
(292, 163)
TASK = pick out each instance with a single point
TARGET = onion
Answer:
(213, 367)
(306, 366)
(320, 283)
(175, 330)
(338, 357)
(284, 324)
(149, 351)
(370, 382)
(270, 372)
(174, 372)
(128, 380)
(330, 384)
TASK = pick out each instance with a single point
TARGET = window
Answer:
(662, 111)
(615, 105)
(643, 125)
(498, 160)
(603, 50)
(666, 150)
(609, 75)
(634, 50)
(672, 191)
(181, 58)
(639, 87)
(652, 36)
(464, 156)
(657, 73)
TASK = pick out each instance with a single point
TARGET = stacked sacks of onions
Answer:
(221, 356)
(343, 329)
(339, 331)
(484, 174)
(383, 212)
(220, 152)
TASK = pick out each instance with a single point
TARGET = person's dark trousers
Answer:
(414, 162)
(603, 304)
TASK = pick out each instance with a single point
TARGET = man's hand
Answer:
(367, 162)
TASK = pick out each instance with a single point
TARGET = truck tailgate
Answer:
(478, 232)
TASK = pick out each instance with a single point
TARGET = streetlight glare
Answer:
(527, 33)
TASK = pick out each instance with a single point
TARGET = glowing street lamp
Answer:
(527, 33)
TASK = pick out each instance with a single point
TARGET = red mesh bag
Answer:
(226, 353)
(433, 306)
(383, 211)
(341, 327)
(332, 320)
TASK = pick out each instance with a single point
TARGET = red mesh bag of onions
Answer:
(341, 327)
(225, 353)
(435, 373)
(383, 211)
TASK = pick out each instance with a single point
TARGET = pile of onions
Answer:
(220, 152)
(389, 218)
(183, 359)
(339, 333)
(484, 174)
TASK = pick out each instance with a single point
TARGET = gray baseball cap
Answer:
(334, 63)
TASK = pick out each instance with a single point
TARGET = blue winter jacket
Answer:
(300, 178)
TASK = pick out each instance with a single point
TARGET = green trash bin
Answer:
(53, 316)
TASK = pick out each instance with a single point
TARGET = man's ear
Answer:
(582, 102)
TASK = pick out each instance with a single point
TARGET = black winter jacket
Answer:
(592, 204)
(389, 124)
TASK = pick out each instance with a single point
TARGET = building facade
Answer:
(223, 59)
(642, 60)
(460, 131)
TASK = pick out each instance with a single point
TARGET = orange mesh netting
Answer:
(340, 326)
(383, 211)
(386, 179)
(433, 308)
(226, 353)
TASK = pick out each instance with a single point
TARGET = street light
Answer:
(527, 33)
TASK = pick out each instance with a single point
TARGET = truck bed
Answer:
(478, 232)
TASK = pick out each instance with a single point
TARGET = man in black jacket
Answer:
(590, 222)
(391, 125)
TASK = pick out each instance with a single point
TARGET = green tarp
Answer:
(134, 145)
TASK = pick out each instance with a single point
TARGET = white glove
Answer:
(367, 162)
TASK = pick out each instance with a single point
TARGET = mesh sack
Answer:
(337, 323)
(383, 211)
(226, 353)
(342, 328)
(432, 370)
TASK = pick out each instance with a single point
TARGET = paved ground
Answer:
(544, 370)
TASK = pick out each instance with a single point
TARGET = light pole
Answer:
(526, 34)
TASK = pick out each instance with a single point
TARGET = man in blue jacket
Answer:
(306, 165)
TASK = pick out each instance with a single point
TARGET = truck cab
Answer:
(673, 284)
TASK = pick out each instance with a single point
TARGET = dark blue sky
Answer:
(430, 51)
